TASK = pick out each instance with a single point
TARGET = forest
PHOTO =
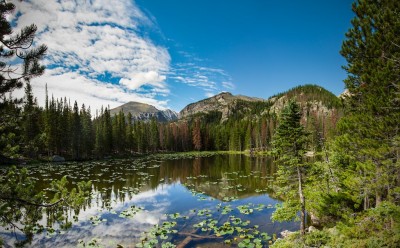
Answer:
(40, 132)
(350, 192)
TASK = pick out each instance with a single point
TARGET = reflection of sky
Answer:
(164, 199)
(115, 230)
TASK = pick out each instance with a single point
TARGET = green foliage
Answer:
(22, 206)
(289, 146)
(376, 227)
(356, 188)
(17, 46)
(287, 211)
(365, 152)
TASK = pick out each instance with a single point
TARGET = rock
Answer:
(57, 159)
(315, 220)
(286, 233)
(312, 229)
(310, 154)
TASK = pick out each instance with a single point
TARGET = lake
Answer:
(214, 201)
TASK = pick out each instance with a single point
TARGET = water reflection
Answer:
(129, 197)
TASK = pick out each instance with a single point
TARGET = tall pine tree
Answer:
(367, 148)
(289, 144)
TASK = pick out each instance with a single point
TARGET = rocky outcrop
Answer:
(286, 233)
(57, 159)
(145, 112)
(315, 102)
(224, 102)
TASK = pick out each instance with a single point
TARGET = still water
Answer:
(215, 201)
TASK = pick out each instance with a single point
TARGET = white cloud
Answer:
(228, 85)
(94, 41)
(206, 78)
(209, 94)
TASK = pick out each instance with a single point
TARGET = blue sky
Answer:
(171, 53)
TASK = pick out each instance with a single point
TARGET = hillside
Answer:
(225, 103)
(144, 112)
(314, 100)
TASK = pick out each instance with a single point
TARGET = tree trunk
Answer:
(378, 190)
(302, 204)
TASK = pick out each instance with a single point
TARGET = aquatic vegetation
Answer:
(161, 203)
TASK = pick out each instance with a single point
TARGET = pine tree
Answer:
(154, 135)
(87, 132)
(289, 145)
(17, 45)
(367, 148)
(248, 138)
(76, 129)
(196, 134)
(31, 129)
(107, 132)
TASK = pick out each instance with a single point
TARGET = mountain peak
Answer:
(145, 112)
(221, 102)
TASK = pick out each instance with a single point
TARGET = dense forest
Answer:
(351, 194)
(38, 133)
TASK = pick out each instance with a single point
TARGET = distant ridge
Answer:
(145, 112)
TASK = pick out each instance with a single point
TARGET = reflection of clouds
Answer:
(141, 199)
(115, 230)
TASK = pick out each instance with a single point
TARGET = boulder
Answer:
(315, 220)
(286, 233)
(312, 229)
(57, 159)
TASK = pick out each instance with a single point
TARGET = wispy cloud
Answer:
(100, 54)
(97, 51)
(210, 80)
(228, 85)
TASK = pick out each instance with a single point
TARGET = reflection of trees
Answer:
(23, 205)
(119, 180)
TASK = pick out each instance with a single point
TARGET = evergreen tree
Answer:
(196, 134)
(154, 135)
(289, 146)
(130, 142)
(13, 47)
(17, 45)
(31, 129)
(107, 132)
(65, 126)
(367, 148)
(76, 129)
(87, 132)
(248, 138)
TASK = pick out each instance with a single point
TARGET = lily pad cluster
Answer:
(158, 234)
(234, 230)
(131, 212)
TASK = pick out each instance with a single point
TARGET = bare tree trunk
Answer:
(302, 204)
(378, 190)
(366, 201)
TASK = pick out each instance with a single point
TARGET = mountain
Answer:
(225, 102)
(321, 109)
(145, 112)
(313, 99)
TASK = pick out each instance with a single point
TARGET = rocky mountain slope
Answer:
(316, 102)
(225, 102)
(313, 99)
(145, 112)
